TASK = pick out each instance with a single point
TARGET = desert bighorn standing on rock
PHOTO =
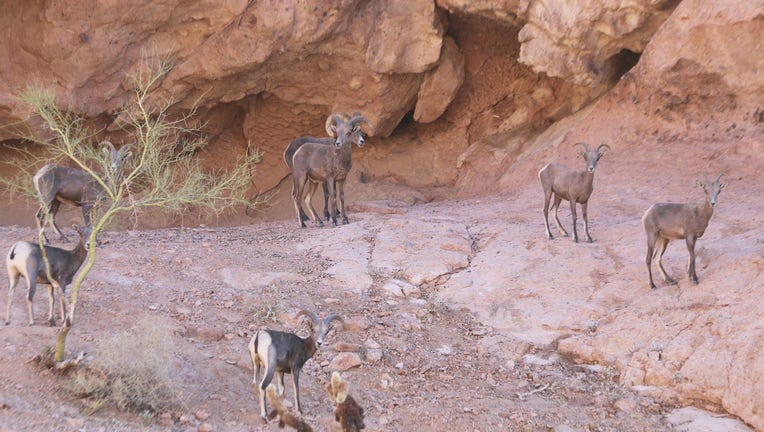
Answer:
(668, 221)
(571, 185)
(282, 352)
(58, 184)
(357, 138)
(25, 259)
(315, 163)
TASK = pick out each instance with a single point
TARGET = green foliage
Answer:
(163, 170)
(131, 372)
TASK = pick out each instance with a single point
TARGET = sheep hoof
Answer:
(52, 322)
(694, 281)
(652, 286)
(671, 281)
(589, 240)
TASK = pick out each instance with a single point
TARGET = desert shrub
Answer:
(131, 371)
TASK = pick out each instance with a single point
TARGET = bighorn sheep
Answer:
(571, 185)
(58, 184)
(315, 163)
(357, 138)
(668, 221)
(25, 259)
(282, 352)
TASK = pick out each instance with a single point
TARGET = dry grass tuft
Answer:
(131, 371)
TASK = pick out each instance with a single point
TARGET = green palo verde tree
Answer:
(160, 172)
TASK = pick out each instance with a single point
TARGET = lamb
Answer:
(668, 221)
(357, 138)
(347, 411)
(315, 163)
(26, 259)
(282, 352)
(572, 185)
(56, 184)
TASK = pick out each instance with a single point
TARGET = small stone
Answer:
(625, 405)
(345, 361)
(373, 355)
(346, 347)
(206, 427)
(372, 344)
(201, 415)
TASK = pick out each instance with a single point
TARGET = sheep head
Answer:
(591, 156)
(712, 188)
(347, 129)
(320, 327)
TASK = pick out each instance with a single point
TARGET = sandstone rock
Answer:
(504, 10)
(407, 38)
(204, 334)
(400, 288)
(440, 84)
(584, 42)
(347, 347)
(373, 355)
(691, 419)
(344, 361)
(440, 247)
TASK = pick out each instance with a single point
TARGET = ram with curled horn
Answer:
(56, 184)
(282, 352)
(327, 162)
(576, 186)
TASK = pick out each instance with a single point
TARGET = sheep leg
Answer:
(303, 217)
(299, 184)
(267, 378)
(295, 387)
(13, 277)
(649, 259)
(556, 206)
(50, 211)
(547, 198)
(31, 288)
(662, 243)
(341, 192)
(308, 201)
(280, 384)
(326, 201)
(691, 264)
(586, 221)
(573, 214)
(332, 200)
(61, 303)
(51, 302)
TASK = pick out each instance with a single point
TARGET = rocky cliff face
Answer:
(467, 96)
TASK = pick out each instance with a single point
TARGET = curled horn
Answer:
(126, 148)
(586, 146)
(358, 118)
(108, 147)
(331, 120)
(719, 178)
(309, 314)
(333, 317)
(603, 145)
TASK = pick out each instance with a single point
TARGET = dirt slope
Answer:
(483, 338)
